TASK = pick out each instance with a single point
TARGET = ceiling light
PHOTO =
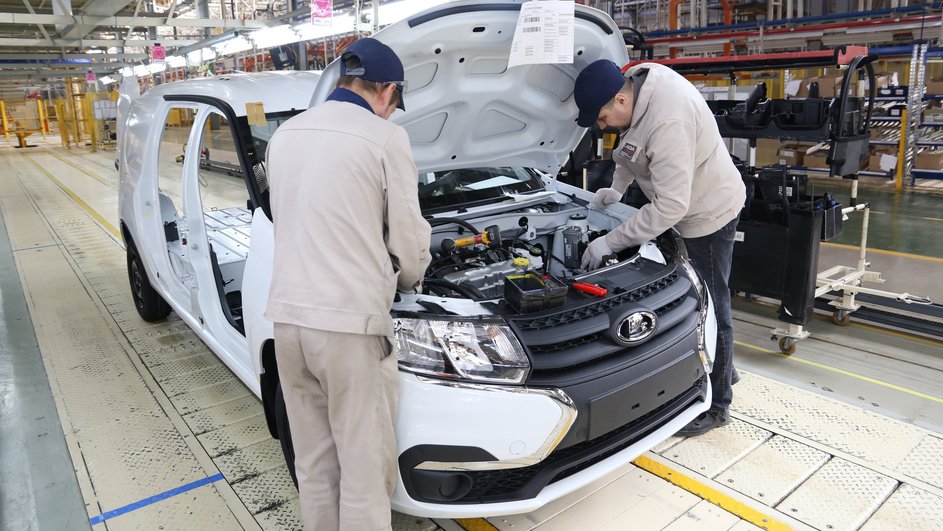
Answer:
(274, 36)
(107, 80)
(340, 24)
(176, 61)
(236, 45)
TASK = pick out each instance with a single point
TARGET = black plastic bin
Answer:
(780, 261)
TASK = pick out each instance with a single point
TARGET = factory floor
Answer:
(108, 422)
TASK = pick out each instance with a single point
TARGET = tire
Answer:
(150, 305)
(284, 433)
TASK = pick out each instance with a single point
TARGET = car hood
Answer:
(465, 108)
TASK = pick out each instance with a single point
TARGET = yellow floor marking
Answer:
(86, 172)
(882, 251)
(844, 372)
(475, 524)
(903, 335)
(78, 200)
(710, 494)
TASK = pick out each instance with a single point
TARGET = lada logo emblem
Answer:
(634, 327)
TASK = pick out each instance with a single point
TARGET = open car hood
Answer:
(465, 108)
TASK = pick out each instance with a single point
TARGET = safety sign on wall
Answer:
(544, 33)
(322, 12)
(158, 53)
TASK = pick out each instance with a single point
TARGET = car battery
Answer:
(529, 293)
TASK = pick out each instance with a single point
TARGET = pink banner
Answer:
(322, 12)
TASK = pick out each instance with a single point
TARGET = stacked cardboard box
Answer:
(882, 159)
(929, 160)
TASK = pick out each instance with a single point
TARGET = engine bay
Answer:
(524, 260)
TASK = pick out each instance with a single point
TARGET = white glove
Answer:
(597, 250)
(607, 196)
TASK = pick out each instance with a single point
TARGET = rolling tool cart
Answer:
(781, 225)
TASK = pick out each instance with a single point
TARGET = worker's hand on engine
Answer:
(597, 250)
(607, 196)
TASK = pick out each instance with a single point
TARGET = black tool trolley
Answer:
(782, 223)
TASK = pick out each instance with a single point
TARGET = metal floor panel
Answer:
(705, 516)
(166, 403)
(715, 451)
(128, 448)
(285, 517)
(840, 496)
(855, 431)
(657, 511)
(267, 490)
(908, 509)
(772, 471)
(251, 461)
(221, 415)
(238, 435)
(925, 462)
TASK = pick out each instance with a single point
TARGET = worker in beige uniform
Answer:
(348, 235)
(671, 146)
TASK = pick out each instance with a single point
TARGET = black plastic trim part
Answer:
(268, 382)
(243, 140)
(424, 484)
(221, 291)
(559, 464)
(449, 11)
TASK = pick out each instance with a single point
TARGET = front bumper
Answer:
(497, 425)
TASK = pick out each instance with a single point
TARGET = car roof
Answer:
(277, 91)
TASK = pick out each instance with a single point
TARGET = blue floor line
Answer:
(153, 499)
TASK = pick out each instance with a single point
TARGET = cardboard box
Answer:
(934, 86)
(882, 160)
(817, 159)
(929, 160)
(932, 115)
(791, 154)
(827, 87)
(767, 151)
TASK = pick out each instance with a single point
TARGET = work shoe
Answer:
(704, 423)
(735, 378)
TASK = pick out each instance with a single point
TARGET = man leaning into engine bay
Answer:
(669, 144)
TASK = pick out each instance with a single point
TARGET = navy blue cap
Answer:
(595, 86)
(378, 62)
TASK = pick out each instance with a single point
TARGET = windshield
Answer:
(451, 188)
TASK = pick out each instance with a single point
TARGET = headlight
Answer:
(684, 263)
(483, 352)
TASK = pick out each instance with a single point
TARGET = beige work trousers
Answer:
(341, 392)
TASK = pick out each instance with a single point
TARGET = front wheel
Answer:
(284, 433)
(149, 304)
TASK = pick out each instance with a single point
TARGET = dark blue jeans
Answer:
(711, 257)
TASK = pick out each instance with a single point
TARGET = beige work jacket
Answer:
(348, 229)
(674, 151)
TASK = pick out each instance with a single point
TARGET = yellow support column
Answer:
(42, 118)
(6, 126)
(901, 148)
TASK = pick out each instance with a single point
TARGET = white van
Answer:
(563, 386)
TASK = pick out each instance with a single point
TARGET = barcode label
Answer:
(530, 30)
(527, 20)
(738, 236)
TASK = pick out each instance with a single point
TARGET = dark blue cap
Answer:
(595, 86)
(378, 62)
